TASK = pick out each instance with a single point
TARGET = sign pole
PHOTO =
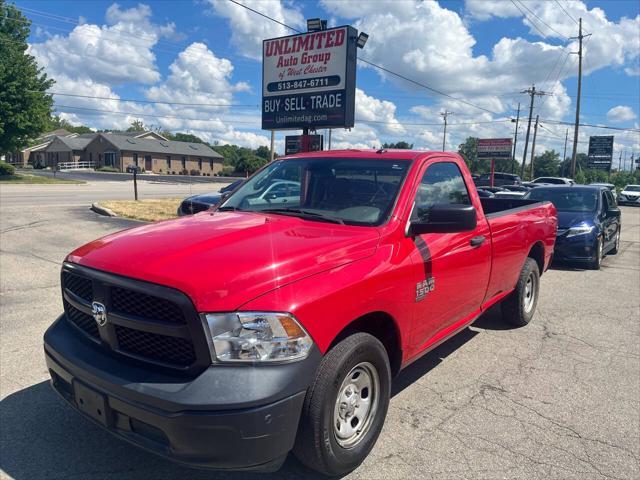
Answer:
(329, 140)
(135, 183)
(493, 171)
(273, 140)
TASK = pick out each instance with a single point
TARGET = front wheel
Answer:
(616, 245)
(596, 261)
(345, 407)
(520, 306)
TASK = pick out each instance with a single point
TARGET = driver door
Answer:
(451, 269)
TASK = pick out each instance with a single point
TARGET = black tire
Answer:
(519, 308)
(596, 261)
(317, 445)
(616, 245)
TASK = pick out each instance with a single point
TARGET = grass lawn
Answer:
(145, 210)
(26, 178)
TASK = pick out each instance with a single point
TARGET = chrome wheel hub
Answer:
(529, 293)
(356, 404)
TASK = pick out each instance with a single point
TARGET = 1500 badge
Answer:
(424, 287)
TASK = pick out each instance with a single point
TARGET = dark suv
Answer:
(499, 179)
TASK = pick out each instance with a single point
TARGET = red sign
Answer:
(494, 148)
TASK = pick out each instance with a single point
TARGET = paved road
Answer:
(60, 196)
(558, 399)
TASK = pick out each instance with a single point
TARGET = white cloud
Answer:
(621, 113)
(426, 41)
(372, 109)
(113, 54)
(198, 76)
(248, 30)
(485, 9)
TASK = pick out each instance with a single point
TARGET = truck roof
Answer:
(368, 153)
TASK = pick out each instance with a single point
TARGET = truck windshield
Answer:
(353, 191)
(567, 199)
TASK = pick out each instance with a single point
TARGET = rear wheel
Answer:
(596, 261)
(345, 408)
(519, 307)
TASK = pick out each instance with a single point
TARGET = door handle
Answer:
(477, 241)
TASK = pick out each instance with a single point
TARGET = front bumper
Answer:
(580, 248)
(228, 417)
(624, 200)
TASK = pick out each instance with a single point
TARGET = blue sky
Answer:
(483, 51)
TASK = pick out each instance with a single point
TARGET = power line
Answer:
(426, 86)
(137, 114)
(155, 101)
(567, 13)
(558, 122)
(177, 117)
(380, 67)
(533, 24)
(539, 19)
(266, 16)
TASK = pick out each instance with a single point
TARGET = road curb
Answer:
(99, 209)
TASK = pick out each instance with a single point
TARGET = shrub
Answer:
(6, 169)
(108, 169)
(195, 173)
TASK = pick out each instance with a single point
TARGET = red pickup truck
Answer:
(277, 321)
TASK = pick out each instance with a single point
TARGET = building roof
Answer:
(167, 147)
(79, 142)
(137, 133)
(61, 132)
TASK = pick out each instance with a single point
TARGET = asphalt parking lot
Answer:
(558, 399)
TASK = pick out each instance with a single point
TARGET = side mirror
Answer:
(444, 219)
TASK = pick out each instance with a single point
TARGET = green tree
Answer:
(25, 107)
(249, 162)
(187, 137)
(547, 164)
(402, 145)
(263, 152)
(137, 126)
(56, 123)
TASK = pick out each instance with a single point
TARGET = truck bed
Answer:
(502, 206)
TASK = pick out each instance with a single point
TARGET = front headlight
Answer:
(257, 337)
(580, 230)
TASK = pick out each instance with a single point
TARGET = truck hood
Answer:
(224, 259)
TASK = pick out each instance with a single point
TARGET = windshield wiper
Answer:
(304, 213)
(228, 209)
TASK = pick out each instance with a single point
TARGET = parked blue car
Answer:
(201, 203)
(588, 222)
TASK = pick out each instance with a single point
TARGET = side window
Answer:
(612, 199)
(605, 202)
(442, 183)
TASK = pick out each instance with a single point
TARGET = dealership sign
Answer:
(600, 152)
(308, 80)
(494, 148)
(295, 144)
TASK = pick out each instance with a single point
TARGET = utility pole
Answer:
(620, 160)
(445, 114)
(575, 130)
(533, 92)
(564, 155)
(533, 145)
(515, 141)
